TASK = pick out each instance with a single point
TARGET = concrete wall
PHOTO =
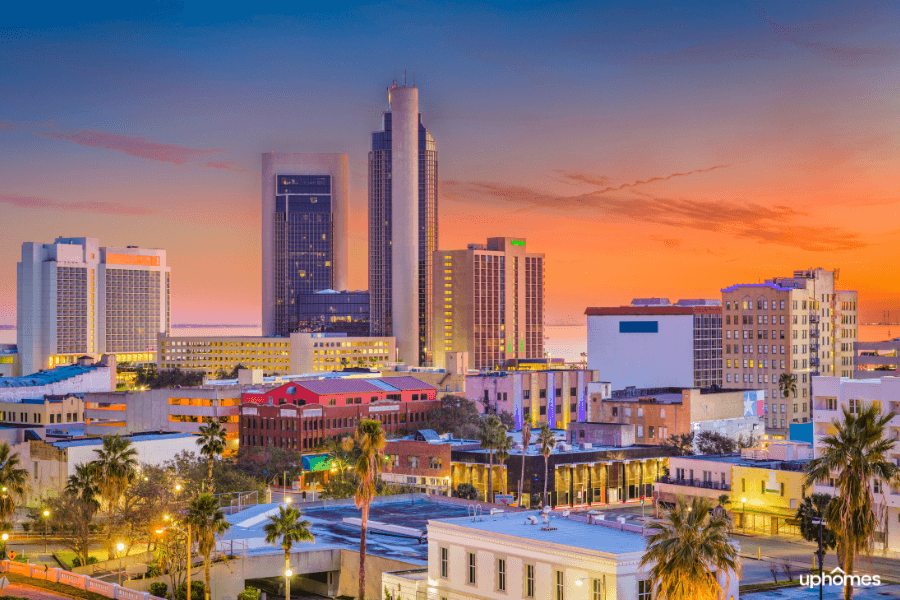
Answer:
(375, 566)
(643, 360)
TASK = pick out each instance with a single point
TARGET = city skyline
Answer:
(672, 151)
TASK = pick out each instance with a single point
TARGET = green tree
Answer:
(13, 482)
(787, 383)
(287, 527)
(713, 442)
(467, 491)
(370, 439)
(687, 548)
(83, 485)
(212, 444)
(856, 455)
(546, 442)
(491, 434)
(526, 439)
(114, 469)
(679, 445)
(207, 521)
(457, 415)
(813, 507)
(507, 418)
(342, 455)
(71, 518)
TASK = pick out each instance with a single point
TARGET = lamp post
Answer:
(287, 583)
(5, 537)
(187, 533)
(744, 515)
(121, 548)
(820, 522)
(46, 527)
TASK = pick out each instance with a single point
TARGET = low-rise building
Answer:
(294, 354)
(422, 460)
(764, 485)
(831, 397)
(490, 557)
(9, 360)
(554, 396)
(302, 414)
(661, 412)
(48, 410)
(85, 375)
(181, 410)
(876, 359)
(577, 474)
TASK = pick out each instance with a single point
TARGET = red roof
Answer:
(339, 386)
(407, 382)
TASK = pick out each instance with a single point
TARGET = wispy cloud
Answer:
(7, 125)
(103, 208)
(770, 224)
(224, 164)
(579, 178)
(140, 147)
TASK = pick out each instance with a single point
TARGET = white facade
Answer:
(275, 164)
(507, 557)
(75, 298)
(405, 222)
(833, 394)
(59, 381)
(664, 358)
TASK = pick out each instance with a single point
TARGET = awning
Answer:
(317, 462)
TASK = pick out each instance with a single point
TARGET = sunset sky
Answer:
(647, 150)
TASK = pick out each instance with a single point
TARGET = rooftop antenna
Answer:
(414, 79)
(404, 77)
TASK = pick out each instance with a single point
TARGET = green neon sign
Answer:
(518, 242)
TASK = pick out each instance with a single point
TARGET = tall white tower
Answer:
(405, 221)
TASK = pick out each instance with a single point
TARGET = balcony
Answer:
(696, 483)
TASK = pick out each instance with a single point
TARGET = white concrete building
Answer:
(657, 345)
(85, 376)
(494, 557)
(833, 394)
(75, 298)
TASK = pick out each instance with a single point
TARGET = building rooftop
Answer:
(140, 437)
(48, 377)
(670, 310)
(567, 533)
(357, 386)
(738, 460)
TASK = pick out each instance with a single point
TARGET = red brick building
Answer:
(421, 460)
(300, 415)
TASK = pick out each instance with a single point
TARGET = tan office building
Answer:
(489, 302)
(798, 325)
(293, 355)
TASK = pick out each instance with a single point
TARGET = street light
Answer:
(744, 515)
(820, 522)
(187, 533)
(46, 525)
(287, 583)
(120, 547)
(5, 537)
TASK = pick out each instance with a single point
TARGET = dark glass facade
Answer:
(344, 312)
(380, 233)
(303, 243)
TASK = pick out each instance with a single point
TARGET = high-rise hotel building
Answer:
(800, 326)
(403, 228)
(489, 302)
(75, 298)
(305, 215)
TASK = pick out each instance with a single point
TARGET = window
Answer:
(560, 586)
(472, 568)
(501, 575)
(529, 581)
(645, 590)
(597, 590)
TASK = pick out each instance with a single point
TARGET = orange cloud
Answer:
(134, 146)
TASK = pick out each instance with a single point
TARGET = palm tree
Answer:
(288, 527)
(787, 383)
(83, 486)
(503, 451)
(114, 469)
(546, 442)
(815, 506)
(370, 440)
(686, 550)
(491, 433)
(207, 521)
(856, 455)
(526, 439)
(13, 481)
(212, 444)
(584, 360)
